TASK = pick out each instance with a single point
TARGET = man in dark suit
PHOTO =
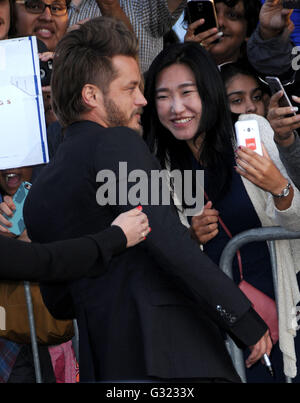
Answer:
(159, 309)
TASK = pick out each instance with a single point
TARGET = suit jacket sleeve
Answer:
(170, 244)
(62, 260)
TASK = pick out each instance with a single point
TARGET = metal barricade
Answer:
(34, 344)
(270, 234)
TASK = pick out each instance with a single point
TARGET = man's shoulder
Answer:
(121, 137)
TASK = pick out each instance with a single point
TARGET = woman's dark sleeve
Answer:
(62, 260)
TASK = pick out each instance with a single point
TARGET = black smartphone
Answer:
(275, 86)
(291, 4)
(45, 71)
(197, 9)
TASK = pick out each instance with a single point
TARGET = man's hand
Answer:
(263, 346)
(274, 19)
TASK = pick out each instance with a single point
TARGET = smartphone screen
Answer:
(197, 9)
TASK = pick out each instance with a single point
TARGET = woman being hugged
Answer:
(187, 123)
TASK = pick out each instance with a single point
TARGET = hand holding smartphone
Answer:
(197, 9)
(275, 86)
(247, 135)
(19, 197)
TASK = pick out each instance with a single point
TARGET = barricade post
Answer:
(254, 235)
(34, 344)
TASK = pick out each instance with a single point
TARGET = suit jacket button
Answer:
(232, 319)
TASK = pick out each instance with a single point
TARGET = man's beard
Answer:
(116, 117)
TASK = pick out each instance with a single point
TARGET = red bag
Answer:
(261, 303)
(264, 306)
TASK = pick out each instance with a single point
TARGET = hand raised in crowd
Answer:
(134, 224)
(205, 38)
(77, 25)
(274, 19)
(7, 207)
(205, 225)
(46, 91)
(282, 124)
(262, 171)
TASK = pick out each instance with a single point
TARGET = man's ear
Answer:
(90, 94)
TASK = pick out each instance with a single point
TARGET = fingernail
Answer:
(150, 229)
(140, 208)
(294, 109)
(220, 34)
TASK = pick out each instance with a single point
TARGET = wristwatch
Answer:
(285, 191)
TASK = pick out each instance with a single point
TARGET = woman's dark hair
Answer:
(230, 70)
(216, 150)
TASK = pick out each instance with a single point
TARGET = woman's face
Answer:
(178, 102)
(233, 24)
(245, 95)
(11, 179)
(4, 18)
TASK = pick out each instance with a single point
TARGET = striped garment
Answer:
(150, 20)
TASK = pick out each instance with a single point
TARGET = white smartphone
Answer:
(247, 135)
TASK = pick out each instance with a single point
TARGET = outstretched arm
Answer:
(174, 4)
(112, 8)
(74, 258)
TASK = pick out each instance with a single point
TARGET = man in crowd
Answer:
(150, 20)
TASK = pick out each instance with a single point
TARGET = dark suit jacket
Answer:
(62, 260)
(159, 309)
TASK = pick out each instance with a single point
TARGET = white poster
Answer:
(23, 139)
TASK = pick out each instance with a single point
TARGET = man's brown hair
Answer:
(84, 56)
